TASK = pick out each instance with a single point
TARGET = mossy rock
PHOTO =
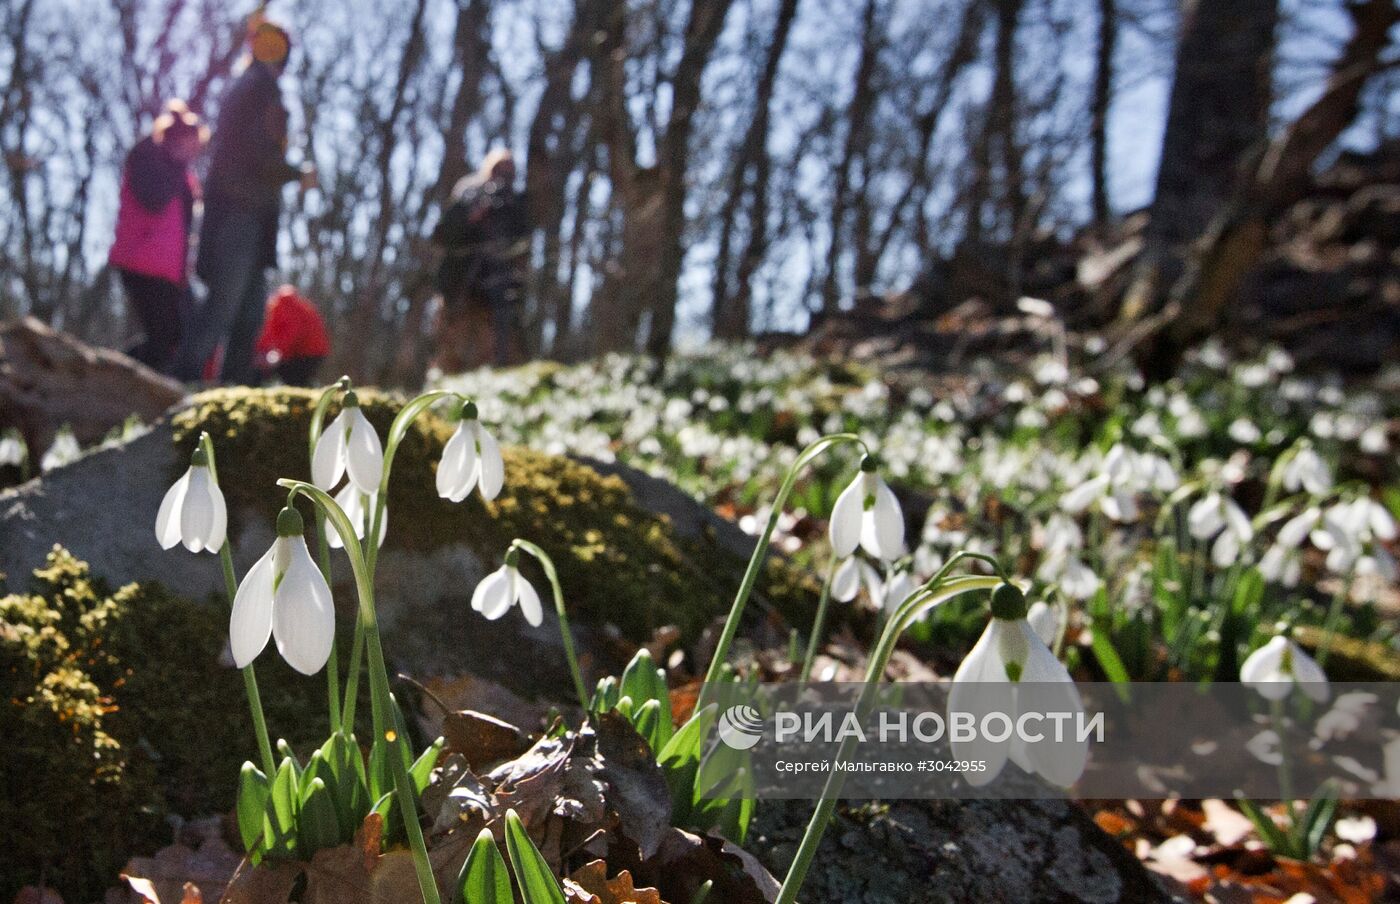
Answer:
(618, 562)
(118, 715)
(633, 553)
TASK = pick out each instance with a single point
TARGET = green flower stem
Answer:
(818, 623)
(936, 592)
(397, 431)
(318, 417)
(379, 684)
(548, 565)
(760, 552)
(250, 678)
(1334, 615)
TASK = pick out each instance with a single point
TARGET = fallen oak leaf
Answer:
(590, 884)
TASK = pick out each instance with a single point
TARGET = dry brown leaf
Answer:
(590, 885)
(483, 740)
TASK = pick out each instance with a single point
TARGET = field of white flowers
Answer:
(1172, 528)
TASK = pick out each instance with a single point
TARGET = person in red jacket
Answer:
(150, 251)
(293, 342)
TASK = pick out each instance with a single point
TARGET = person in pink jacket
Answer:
(154, 219)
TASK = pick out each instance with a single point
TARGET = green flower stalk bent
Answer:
(382, 705)
(547, 564)
(760, 552)
(937, 591)
(250, 678)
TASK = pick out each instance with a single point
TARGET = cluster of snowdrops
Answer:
(291, 808)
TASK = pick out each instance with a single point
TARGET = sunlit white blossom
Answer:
(285, 596)
(349, 444)
(193, 511)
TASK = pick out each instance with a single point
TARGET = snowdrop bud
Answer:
(1274, 668)
(1011, 670)
(867, 514)
(193, 511)
(349, 444)
(285, 596)
(471, 458)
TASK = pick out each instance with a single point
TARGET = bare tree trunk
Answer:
(701, 32)
(730, 314)
(1236, 238)
(1098, 109)
(857, 119)
(1218, 113)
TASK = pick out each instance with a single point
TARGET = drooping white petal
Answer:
(1237, 521)
(1296, 529)
(493, 468)
(458, 465)
(882, 527)
(1084, 495)
(492, 596)
(1380, 521)
(1205, 519)
(358, 508)
(218, 531)
(845, 584)
(529, 601)
(1044, 620)
(1225, 551)
(1311, 679)
(1263, 670)
(328, 460)
(197, 511)
(980, 687)
(250, 625)
(364, 454)
(168, 518)
(1046, 687)
(303, 616)
(846, 518)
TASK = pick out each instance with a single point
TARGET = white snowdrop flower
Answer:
(1244, 431)
(65, 450)
(348, 444)
(358, 508)
(1010, 671)
(1266, 747)
(505, 587)
(12, 450)
(851, 575)
(285, 596)
(193, 510)
(1218, 516)
(1274, 668)
(868, 515)
(1373, 440)
(1307, 471)
(1068, 572)
(471, 458)
(1282, 563)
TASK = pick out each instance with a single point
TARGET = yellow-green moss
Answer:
(617, 562)
(115, 714)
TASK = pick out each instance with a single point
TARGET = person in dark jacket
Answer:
(243, 201)
(150, 251)
(484, 238)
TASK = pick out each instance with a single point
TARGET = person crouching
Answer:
(293, 343)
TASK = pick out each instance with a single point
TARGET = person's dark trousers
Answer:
(159, 305)
(300, 371)
(508, 332)
(233, 311)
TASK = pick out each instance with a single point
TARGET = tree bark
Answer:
(1236, 238)
(749, 178)
(858, 113)
(1099, 106)
(1218, 112)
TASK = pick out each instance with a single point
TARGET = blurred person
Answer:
(484, 239)
(243, 200)
(293, 343)
(155, 214)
